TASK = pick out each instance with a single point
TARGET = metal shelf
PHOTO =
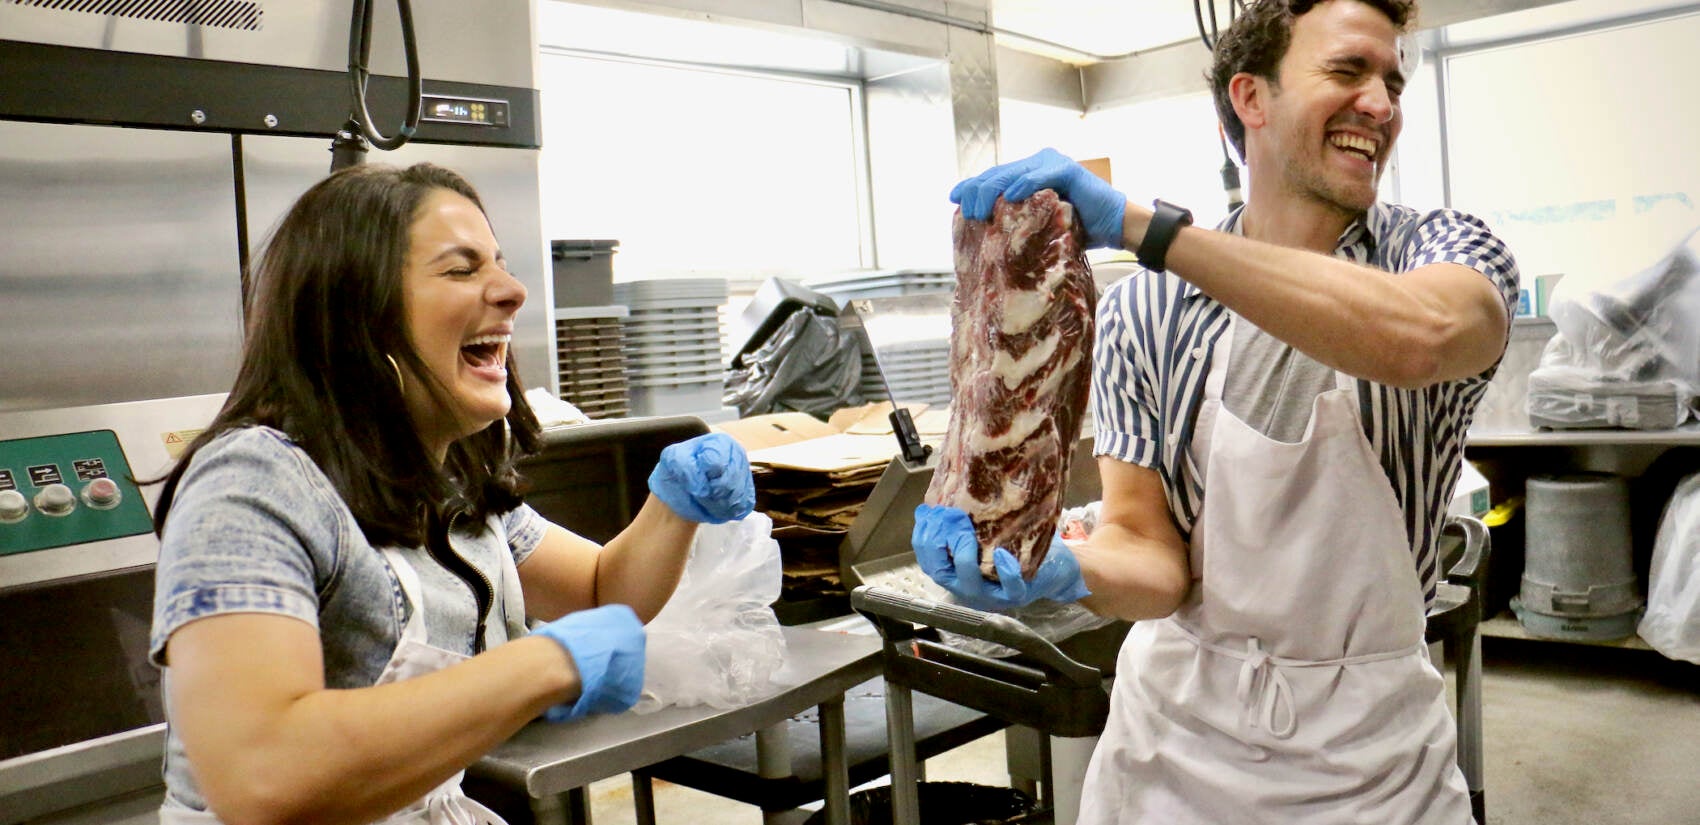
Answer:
(1688, 434)
(1506, 626)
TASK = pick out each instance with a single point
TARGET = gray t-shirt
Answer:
(257, 528)
(1271, 386)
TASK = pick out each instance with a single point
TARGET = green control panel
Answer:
(60, 490)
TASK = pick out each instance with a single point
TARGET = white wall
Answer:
(1158, 149)
(1580, 151)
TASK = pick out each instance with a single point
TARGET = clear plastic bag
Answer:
(1672, 621)
(1645, 327)
(717, 642)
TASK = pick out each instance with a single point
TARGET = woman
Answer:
(344, 555)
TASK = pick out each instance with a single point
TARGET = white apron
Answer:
(1294, 685)
(414, 656)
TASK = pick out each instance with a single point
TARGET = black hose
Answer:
(359, 51)
(1198, 15)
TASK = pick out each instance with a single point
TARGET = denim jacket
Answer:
(257, 528)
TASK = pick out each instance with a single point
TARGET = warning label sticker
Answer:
(176, 441)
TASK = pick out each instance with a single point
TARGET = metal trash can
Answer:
(1578, 570)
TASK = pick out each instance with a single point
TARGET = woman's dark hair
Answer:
(1258, 40)
(325, 316)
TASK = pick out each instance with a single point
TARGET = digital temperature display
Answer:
(469, 111)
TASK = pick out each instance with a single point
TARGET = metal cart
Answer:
(1041, 688)
(1067, 701)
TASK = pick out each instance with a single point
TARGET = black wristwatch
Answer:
(1166, 222)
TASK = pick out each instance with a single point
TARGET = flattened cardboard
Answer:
(775, 429)
(833, 454)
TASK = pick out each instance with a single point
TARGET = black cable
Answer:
(349, 146)
(359, 73)
(1215, 29)
(1198, 15)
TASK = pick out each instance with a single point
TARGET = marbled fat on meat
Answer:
(1020, 371)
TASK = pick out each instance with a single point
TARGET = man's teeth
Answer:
(1354, 143)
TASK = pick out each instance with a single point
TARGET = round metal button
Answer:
(13, 506)
(56, 500)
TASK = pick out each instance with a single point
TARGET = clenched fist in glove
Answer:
(706, 479)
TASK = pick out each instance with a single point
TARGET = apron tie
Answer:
(1264, 691)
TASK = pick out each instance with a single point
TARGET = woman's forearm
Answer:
(641, 566)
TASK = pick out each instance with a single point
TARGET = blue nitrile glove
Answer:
(1099, 206)
(606, 644)
(949, 553)
(706, 479)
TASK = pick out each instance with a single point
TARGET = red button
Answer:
(102, 494)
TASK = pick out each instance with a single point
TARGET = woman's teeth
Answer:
(486, 350)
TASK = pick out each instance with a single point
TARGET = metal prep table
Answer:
(548, 761)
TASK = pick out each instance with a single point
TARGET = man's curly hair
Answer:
(1259, 38)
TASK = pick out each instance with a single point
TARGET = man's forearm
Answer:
(1435, 323)
(1131, 576)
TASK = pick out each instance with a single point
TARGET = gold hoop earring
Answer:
(399, 382)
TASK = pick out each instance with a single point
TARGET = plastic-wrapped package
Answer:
(1628, 355)
(807, 364)
(1672, 621)
(717, 642)
(1565, 392)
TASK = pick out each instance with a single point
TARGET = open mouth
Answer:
(1358, 146)
(486, 351)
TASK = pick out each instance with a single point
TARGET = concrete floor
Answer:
(1575, 735)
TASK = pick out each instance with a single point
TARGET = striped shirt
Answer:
(1157, 333)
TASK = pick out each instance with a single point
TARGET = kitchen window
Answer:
(699, 171)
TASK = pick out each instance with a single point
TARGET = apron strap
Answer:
(408, 578)
(512, 600)
(1345, 382)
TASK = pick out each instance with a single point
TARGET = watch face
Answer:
(1180, 214)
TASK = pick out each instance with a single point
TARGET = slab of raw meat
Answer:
(1020, 370)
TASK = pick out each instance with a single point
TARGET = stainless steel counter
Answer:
(545, 760)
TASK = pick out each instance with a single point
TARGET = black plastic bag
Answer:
(806, 365)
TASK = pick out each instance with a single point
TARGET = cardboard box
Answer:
(836, 453)
(759, 432)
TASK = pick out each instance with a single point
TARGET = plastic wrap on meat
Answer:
(1020, 372)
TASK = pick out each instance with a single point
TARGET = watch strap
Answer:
(1166, 222)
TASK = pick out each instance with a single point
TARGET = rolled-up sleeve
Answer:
(248, 532)
(524, 528)
(1450, 236)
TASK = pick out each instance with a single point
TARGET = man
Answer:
(1281, 407)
